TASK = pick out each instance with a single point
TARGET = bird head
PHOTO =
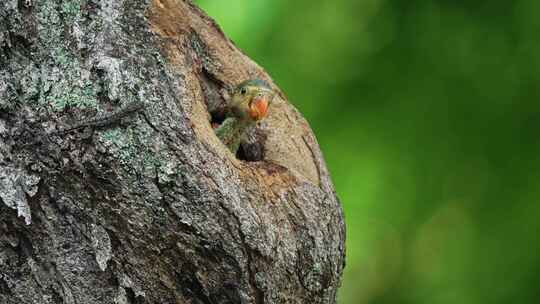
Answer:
(251, 99)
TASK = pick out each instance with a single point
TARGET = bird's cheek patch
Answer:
(258, 109)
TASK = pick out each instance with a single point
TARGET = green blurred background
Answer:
(428, 115)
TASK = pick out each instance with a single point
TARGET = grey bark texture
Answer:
(152, 208)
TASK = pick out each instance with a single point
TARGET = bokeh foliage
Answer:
(428, 115)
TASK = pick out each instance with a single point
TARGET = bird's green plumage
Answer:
(232, 132)
(255, 83)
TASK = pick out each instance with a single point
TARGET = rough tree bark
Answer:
(153, 209)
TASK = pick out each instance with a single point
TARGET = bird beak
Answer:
(258, 108)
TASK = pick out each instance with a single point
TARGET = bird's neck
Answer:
(232, 132)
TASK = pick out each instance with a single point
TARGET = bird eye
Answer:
(243, 91)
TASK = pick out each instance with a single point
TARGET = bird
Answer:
(248, 104)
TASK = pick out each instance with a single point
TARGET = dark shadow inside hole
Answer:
(250, 152)
(217, 118)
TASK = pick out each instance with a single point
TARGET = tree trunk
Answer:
(152, 208)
